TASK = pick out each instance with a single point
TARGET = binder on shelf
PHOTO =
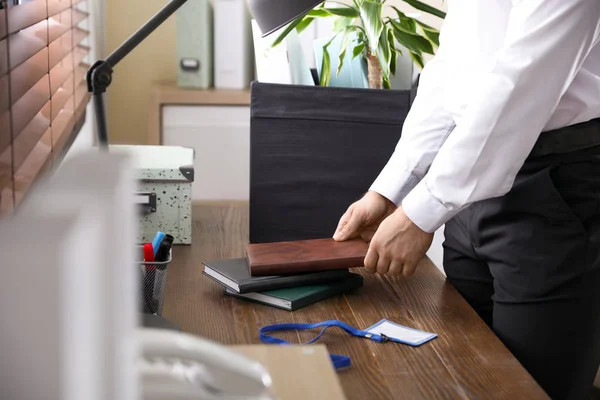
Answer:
(194, 22)
(232, 45)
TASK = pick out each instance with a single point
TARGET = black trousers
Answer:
(529, 264)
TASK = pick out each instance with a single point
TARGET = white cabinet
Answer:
(220, 136)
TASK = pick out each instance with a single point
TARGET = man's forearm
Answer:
(424, 131)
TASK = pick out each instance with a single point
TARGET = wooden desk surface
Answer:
(466, 361)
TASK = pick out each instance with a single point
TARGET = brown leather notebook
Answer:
(294, 257)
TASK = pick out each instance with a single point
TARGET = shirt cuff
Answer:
(424, 210)
(394, 184)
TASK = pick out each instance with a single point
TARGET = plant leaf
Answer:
(393, 61)
(319, 12)
(409, 24)
(341, 23)
(424, 26)
(386, 83)
(418, 59)
(304, 24)
(384, 53)
(326, 65)
(287, 31)
(370, 14)
(361, 33)
(434, 37)
(358, 49)
(349, 30)
(403, 26)
(348, 11)
(431, 33)
(393, 54)
(426, 8)
(413, 42)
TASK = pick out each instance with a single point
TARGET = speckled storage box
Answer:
(165, 175)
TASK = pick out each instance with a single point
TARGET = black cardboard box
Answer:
(313, 151)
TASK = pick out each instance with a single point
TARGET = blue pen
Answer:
(157, 239)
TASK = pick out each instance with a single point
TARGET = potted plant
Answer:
(376, 36)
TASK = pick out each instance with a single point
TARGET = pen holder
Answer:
(153, 279)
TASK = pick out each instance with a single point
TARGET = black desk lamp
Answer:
(269, 14)
(99, 76)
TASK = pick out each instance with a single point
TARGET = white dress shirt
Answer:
(505, 72)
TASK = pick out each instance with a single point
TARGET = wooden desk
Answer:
(466, 361)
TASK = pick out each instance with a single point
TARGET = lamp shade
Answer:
(271, 15)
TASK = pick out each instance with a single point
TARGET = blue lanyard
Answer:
(338, 361)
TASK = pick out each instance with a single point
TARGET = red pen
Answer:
(148, 252)
(150, 277)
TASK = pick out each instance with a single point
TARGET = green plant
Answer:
(376, 36)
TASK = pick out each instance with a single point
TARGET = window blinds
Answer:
(43, 93)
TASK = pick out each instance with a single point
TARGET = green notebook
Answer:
(297, 297)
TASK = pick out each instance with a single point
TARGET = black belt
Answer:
(568, 139)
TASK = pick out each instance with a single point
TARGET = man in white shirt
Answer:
(502, 145)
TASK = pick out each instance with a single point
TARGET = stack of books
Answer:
(289, 289)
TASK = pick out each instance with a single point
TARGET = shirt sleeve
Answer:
(545, 46)
(426, 127)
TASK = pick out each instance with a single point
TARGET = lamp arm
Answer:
(99, 76)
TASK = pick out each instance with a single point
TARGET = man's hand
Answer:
(363, 217)
(398, 246)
